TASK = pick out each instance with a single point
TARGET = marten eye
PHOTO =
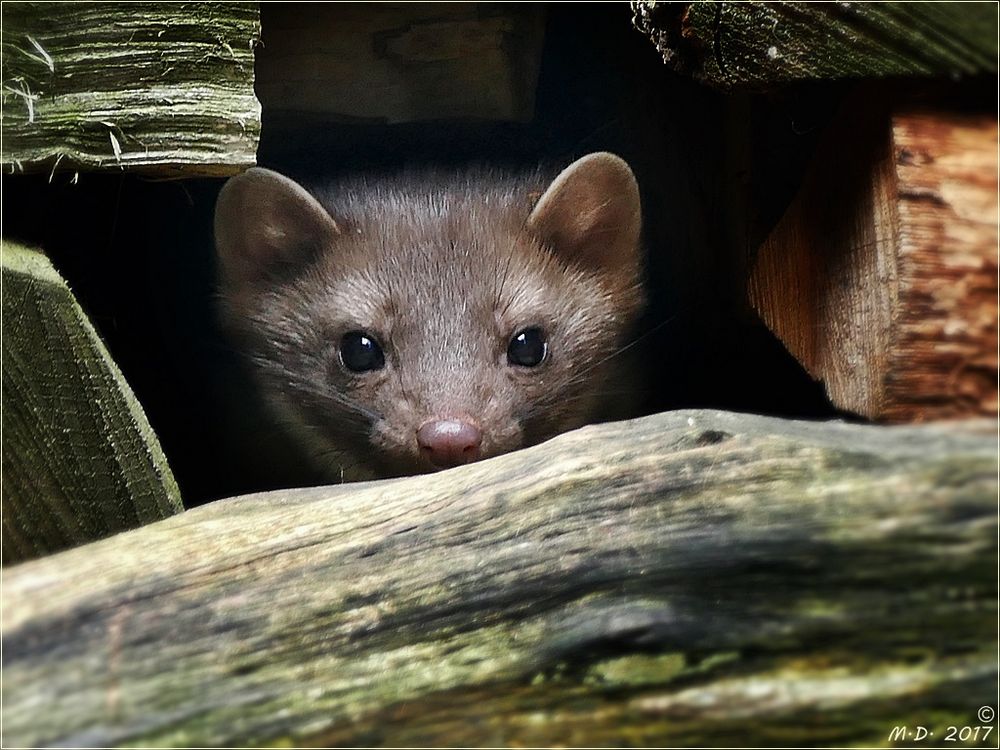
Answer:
(360, 352)
(528, 348)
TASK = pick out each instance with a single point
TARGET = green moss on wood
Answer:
(632, 583)
(760, 44)
(162, 88)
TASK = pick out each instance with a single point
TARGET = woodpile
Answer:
(691, 578)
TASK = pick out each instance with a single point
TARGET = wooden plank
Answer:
(760, 44)
(661, 581)
(401, 62)
(881, 278)
(157, 88)
(79, 461)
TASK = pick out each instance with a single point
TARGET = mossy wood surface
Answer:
(79, 459)
(692, 578)
(758, 44)
(160, 88)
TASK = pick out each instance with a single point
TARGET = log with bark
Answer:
(691, 578)
(158, 88)
(881, 277)
(760, 44)
(79, 458)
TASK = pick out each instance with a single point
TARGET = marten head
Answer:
(422, 322)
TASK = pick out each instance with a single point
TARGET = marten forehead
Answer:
(444, 251)
(442, 261)
(445, 283)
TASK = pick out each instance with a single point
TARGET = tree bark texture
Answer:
(881, 278)
(757, 45)
(690, 578)
(79, 460)
(158, 88)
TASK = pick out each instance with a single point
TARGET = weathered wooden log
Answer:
(760, 44)
(686, 579)
(79, 459)
(400, 62)
(162, 89)
(881, 278)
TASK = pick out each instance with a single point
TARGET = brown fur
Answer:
(443, 271)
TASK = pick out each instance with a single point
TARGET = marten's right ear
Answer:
(265, 222)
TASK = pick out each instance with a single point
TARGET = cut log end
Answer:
(151, 90)
(881, 278)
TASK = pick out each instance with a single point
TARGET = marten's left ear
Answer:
(590, 214)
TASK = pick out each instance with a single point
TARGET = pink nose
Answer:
(449, 442)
